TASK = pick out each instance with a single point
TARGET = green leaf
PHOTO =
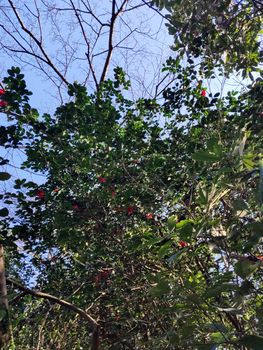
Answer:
(161, 289)
(171, 222)
(4, 212)
(216, 290)
(256, 227)
(248, 163)
(186, 230)
(217, 337)
(4, 176)
(245, 268)
(252, 342)
(204, 156)
(203, 196)
(182, 223)
(217, 326)
(176, 256)
(239, 204)
(164, 250)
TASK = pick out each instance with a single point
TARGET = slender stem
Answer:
(5, 321)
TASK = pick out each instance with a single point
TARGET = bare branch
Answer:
(114, 16)
(38, 43)
(87, 43)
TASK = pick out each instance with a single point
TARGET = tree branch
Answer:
(114, 16)
(66, 304)
(87, 43)
(38, 43)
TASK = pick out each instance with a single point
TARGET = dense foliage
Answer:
(223, 32)
(149, 220)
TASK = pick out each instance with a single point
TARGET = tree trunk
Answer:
(4, 311)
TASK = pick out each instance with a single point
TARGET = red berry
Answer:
(2, 92)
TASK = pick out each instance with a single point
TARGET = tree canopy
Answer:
(146, 232)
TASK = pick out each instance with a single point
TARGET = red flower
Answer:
(105, 274)
(102, 180)
(2, 92)
(149, 216)
(203, 93)
(102, 275)
(40, 194)
(75, 206)
(3, 103)
(183, 244)
(130, 210)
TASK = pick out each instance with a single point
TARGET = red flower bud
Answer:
(203, 93)
(130, 210)
(102, 180)
(3, 103)
(40, 194)
(2, 92)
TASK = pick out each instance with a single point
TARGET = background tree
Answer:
(65, 41)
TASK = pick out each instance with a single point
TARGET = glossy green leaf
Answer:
(4, 176)
(253, 342)
(205, 156)
(245, 268)
(171, 222)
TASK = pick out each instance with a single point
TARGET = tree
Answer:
(222, 32)
(150, 230)
(64, 41)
